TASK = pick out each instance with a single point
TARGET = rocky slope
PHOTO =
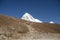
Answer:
(17, 29)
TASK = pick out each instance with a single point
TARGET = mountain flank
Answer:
(16, 28)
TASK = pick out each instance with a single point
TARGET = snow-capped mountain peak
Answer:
(51, 22)
(29, 17)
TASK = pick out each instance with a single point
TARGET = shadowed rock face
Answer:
(15, 28)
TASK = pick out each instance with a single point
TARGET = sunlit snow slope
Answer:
(28, 17)
(52, 22)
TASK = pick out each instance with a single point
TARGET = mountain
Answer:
(52, 22)
(29, 17)
(12, 28)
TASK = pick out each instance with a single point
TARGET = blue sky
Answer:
(45, 10)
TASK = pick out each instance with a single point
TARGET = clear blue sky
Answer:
(45, 10)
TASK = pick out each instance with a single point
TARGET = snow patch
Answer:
(52, 22)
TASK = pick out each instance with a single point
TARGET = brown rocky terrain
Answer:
(17, 29)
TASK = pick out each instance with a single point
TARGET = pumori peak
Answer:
(52, 22)
(29, 17)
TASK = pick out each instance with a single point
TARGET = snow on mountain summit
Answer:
(51, 22)
(28, 17)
